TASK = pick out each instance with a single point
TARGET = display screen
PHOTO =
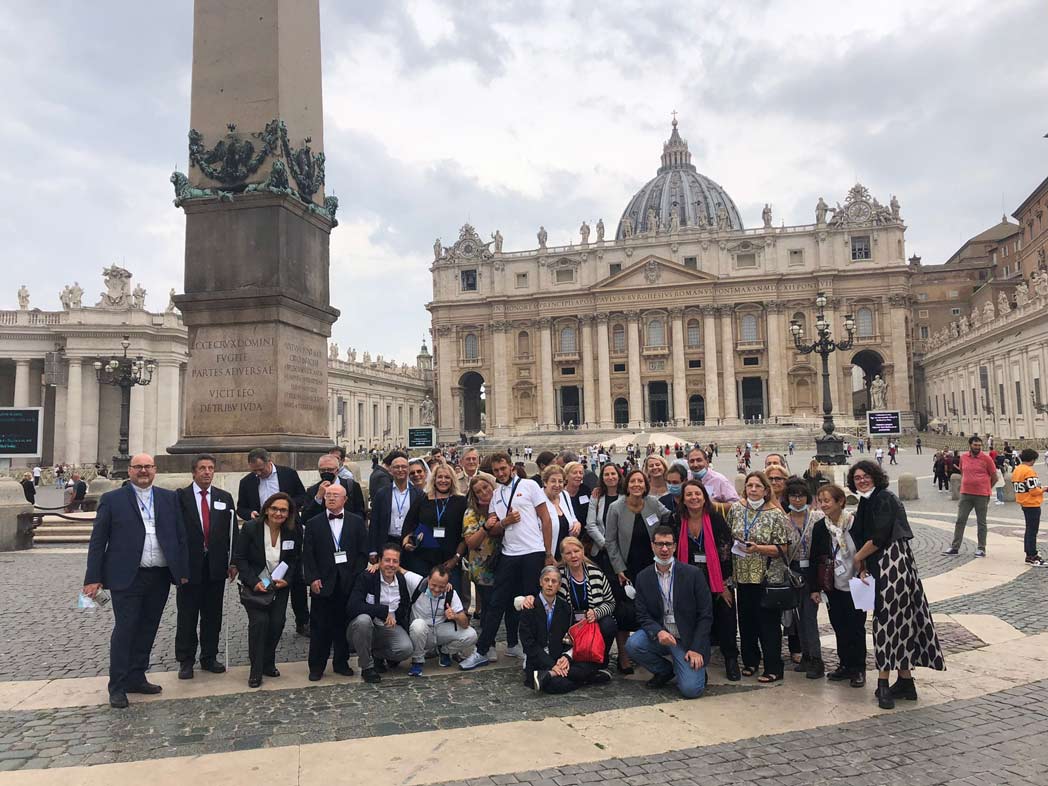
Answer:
(884, 422)
(420, 437)
(21, 430)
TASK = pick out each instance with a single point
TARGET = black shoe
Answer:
(659, 680)
(858, 680)
(371, 676)
(625, 670)
(904, 689)
(272, 671)
(380, 666)
(302, 630)
(145, 687)
(731, 669)
(213, 666)
(885, 700)
(118, 700)
(815, 669)
(314, 676)
(254, 681)
(802, 665)
(345, 671)
(185, 671)
(602, 677)
(839, 674)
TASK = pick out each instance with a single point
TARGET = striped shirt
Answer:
(596, 596)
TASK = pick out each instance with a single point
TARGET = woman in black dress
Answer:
(434, 528)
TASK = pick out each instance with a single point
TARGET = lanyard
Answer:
(667, 597)
(502, 494)
(549, 614)
(401, 500)
(148, 512)
(441, 509)
(802, 530)
(580, 605)
(747, 522)
(333, 537)
(433, 607)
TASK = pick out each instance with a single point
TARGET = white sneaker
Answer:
(980, 552)
(473, 661)
(492, 654)
(515, 652)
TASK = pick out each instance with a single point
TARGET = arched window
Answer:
(523, 344)
(864, 323)
(801, 320)
(568, 341)
(472, 347)
(694, 335)
(618, 338)
(749, 327)
(656, 333)
(525, 405)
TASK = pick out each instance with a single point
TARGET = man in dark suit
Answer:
(675, 613)
(379, 610)
(265, 480)
(381, 474)
(328, 466)
(207, 513)
(137, 550)
(333, 553)
(390, 506)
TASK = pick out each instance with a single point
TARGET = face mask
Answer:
(701, 473)
(755, 504)
(664, 561)
(866, 494)
(674, 488)
(795, 509)
(344, 473)
(328, 476)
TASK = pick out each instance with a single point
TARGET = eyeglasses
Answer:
(662, 545)
(143, 466)
(777, 480)
(280, 511)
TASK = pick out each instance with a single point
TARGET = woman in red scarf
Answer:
(705, 541)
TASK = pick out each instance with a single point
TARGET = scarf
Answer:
(837, 532)
(713, 566)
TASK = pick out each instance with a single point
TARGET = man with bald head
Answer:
(334, 551)
(137, 551)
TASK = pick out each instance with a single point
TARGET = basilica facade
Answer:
(680, 316)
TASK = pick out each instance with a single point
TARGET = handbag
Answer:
(781, 596)
(824, 573)
(587, 642)
(255, 600)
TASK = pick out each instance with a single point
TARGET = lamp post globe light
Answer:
(829, 447)
(124, 372)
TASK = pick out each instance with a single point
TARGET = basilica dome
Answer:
(678, 188)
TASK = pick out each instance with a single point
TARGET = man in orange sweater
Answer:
(1029, 495)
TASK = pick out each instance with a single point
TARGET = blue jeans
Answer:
(657, 658)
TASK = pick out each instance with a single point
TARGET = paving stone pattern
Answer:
(186, 727)
(995, 740)
(1020, 602)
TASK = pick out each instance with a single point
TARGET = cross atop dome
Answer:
(675, 154)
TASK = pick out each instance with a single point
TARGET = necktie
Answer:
(205, 517)
(332, 516)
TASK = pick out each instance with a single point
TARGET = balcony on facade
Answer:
(476, 362)
(567, 356)
(655, 350)
(749, 345)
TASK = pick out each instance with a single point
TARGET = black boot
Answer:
(904, 689)
(816, 669)
(731, 669)
(885, 700)
(802, 665)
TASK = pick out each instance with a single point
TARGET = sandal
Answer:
(767, 679)
(748, 671)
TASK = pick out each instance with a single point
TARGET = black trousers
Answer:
(579, 674)
(513, 576)
(608, 628)
(299, 602)
(849, 626)
(264, 627)
(512, 616)
(200, 602)
(328, 627)
(760, 630)
(725, 627)
(136, 617)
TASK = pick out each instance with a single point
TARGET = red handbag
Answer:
(587, 642)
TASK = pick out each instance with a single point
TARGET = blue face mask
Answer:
(674, 488)
(801, 509)
(701, 473)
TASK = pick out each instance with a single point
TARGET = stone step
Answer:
(56, 531)
(39, 538)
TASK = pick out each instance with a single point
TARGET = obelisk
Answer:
(257, 302)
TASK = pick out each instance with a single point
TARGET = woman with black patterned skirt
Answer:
(903, 632)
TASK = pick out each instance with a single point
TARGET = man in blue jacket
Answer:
(137, 550)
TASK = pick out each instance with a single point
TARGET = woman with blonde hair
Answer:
(655, 467)
(433, 528)
(577, 490)
(560, 506)
(482, 535)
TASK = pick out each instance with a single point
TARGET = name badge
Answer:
(583, 499)
(288, 544)
(652, 520)
(341, 558)
(840, 569)
(219, 505)
(438, 532)
(698, 558)
(803, 563)
(579, 616)
(370, 599)
(150, 527)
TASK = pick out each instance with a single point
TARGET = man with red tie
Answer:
(207, 514)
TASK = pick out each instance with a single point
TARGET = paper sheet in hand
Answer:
(862, 593)
(738, 549)
(279, 571)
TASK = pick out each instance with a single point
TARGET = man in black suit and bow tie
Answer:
(137, 550)
(333, 553)
(265, 480)
(207, 513)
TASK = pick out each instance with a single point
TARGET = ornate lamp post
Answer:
(829, 447)
(125, 373)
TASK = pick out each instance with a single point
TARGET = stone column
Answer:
(899, 395)
(731, 388)
(168, 396)
(546, 395)
(709, 342)
(22, 383)
(637, 415)
(776, 350)
(589, 389)
(74, 404)
(607, 414)
(447, 414)
(137, 425)
(500, 424)
(151, 421)
(89, 418)
(680, 384)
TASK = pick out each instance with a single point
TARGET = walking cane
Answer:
(225, 627)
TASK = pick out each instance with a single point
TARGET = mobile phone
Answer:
(266, 583)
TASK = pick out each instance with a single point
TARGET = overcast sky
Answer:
(511, 115)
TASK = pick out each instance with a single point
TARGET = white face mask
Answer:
(664, 561)
(866, 494)
(801, 509)
(755, 504)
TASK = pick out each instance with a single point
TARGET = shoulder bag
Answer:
(781, 596)
(255, 600)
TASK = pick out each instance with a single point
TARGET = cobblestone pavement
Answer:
(1020, 602)
(995, 740)
(186, 727)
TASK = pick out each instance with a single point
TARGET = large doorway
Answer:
(753, 398)
(658, 402)
(570, 406)
(696, 410)
(622, 412)
(866, 365)
(472, 385)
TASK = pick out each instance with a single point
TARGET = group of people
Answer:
(661, 561)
